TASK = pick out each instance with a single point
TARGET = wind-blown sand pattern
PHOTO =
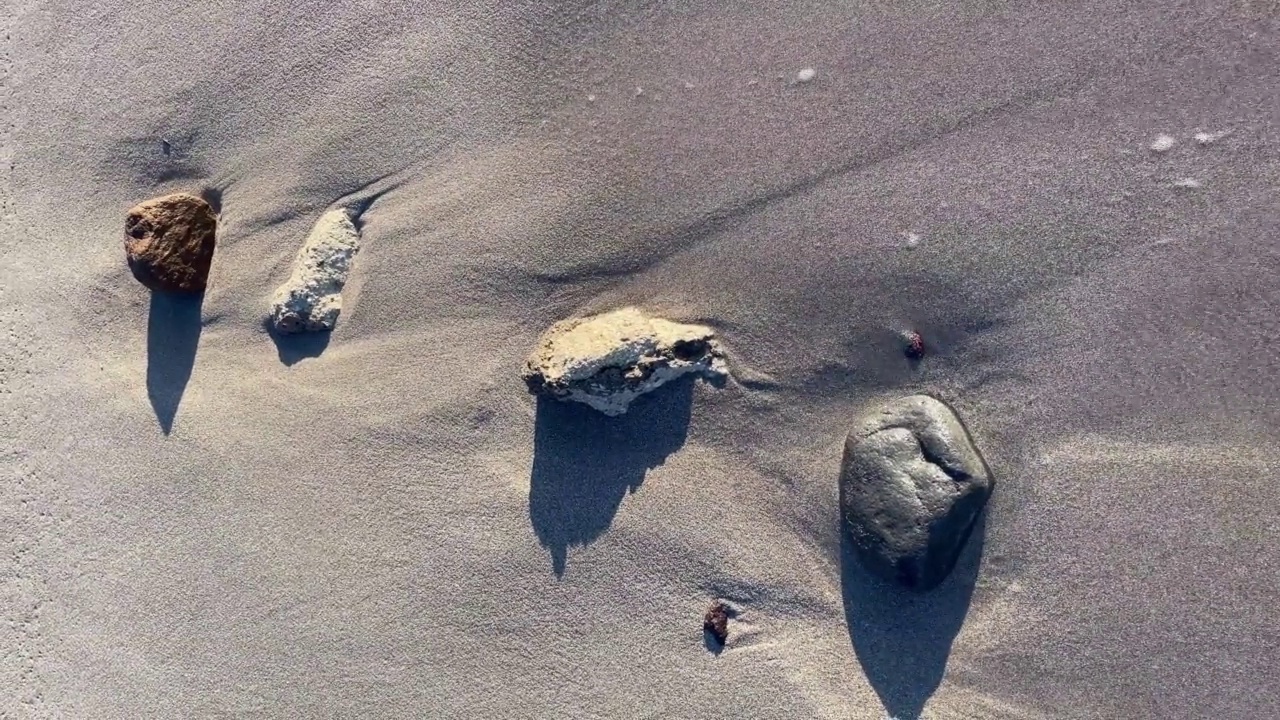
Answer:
(199, 522)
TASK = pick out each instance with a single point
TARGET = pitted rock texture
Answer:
(168, 242)
(607, 361)
(311, 299)
(912, 485)
(716, 621)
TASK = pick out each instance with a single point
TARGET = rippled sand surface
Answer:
(1074, 205)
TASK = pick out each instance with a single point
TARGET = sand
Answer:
(200, 522)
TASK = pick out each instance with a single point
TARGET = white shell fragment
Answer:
(311, 300)
(1208, 138)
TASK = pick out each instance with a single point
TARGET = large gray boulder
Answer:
(911, 487)
(608, 360)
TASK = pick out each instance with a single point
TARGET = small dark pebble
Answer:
(914, 344)
(716, 621)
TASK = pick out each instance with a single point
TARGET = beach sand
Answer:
(203, 521)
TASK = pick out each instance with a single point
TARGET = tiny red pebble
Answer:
(915, 345)
(716, 621)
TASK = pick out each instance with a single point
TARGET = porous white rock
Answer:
(608, 360)
(311, 299)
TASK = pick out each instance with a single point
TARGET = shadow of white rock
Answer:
(911, 488)
(311, 299)
(607, 361)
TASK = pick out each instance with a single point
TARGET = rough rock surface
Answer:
(716, 621)
(608, 360)
(911, 487)
(311, 299)
(169, 241)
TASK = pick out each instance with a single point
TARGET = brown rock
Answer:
(716, 621)
(169, 242)
(913, 345)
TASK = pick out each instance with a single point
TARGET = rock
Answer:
(311, 299)
(911, 487)
(716, 621)
(168, 242)
(608, 360)
(913, 345)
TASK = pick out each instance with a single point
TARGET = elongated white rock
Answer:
(311, 300)
(608, 360)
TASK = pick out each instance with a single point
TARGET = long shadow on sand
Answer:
(296, 347)
(584, 462)
(173, 333)
(903, 638)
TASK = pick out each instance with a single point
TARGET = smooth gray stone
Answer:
(912, 484)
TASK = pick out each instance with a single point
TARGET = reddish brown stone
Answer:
(914, 345)
(168, 242)
(716, 621)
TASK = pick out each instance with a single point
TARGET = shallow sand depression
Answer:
(206, 519)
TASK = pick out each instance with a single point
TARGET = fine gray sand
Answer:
(203, 520)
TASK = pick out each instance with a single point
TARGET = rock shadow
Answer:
(293, 348)
(903, 638)
(585, 463)
(173, 333)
